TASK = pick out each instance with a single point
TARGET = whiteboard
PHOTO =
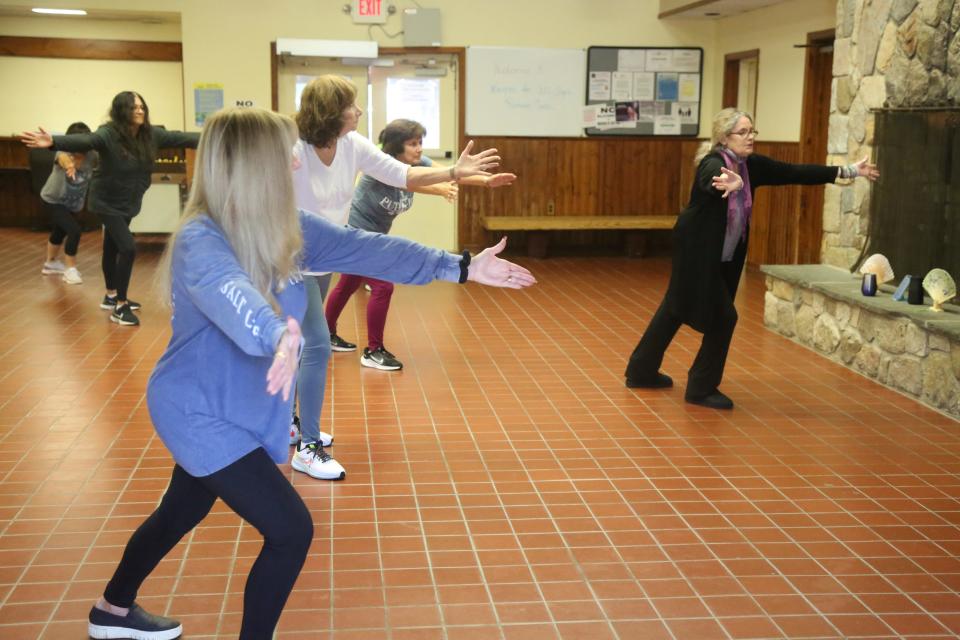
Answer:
(525, 92)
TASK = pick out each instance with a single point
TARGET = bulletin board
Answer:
(644, 91)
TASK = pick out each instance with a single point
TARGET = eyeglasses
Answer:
(746, 133)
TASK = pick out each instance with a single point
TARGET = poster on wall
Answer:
(644, 91)
(207, 99)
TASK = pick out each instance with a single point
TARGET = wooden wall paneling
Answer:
(88, 49)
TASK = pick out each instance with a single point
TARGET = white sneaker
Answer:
(72, 276)
(52, 267)
(326, 439)
(313, 460)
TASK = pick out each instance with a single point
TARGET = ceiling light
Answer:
(61, 12)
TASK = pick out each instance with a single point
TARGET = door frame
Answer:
(809, 232)
(731, 76)
(459, 53)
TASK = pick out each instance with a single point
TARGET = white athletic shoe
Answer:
(52, 268)
(313, 460)
(72, 276)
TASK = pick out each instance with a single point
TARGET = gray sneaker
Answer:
(137, 624)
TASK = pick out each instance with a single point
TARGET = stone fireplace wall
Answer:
(887, 53)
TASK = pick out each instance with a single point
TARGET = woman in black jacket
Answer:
(127, 146)
(710, 246)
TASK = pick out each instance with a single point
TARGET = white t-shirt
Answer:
(327, 191)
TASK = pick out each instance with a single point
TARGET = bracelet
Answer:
(453, 172)
(464, 263)
(849, 171)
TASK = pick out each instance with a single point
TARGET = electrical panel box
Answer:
(421, 27)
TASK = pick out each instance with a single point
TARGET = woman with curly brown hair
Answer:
(331, 153)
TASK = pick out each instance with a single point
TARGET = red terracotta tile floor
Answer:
(504, 485)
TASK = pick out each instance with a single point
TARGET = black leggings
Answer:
(65, 225)
(119, 250)
(256, 490)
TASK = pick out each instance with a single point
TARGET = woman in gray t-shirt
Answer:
(374, 207)
(63, 195)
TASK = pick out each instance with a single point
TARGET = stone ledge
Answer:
(906, 347)
(842, 285)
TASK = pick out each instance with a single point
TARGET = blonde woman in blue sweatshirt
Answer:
(233, 275)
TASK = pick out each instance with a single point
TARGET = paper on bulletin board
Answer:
(668, 86)
(599, 85)
(686, 60)
(631, 60)
(659, 60)
(686, 111)
(207, 99)
(643, 86)
(666, 126)
(622, 86)
(689, 89)
(590, 115)
(606, 116)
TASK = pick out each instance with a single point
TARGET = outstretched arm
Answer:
(328, 247)
(479, 164)
(446, 190)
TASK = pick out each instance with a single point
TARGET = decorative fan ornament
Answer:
(940, 286)
(878, 265)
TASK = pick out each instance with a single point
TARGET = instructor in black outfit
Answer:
(127, 145)
(710, 246)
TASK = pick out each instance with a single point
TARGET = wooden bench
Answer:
(538, 226)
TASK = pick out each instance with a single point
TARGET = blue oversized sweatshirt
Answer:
(207, 395)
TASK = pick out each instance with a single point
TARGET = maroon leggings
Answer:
(377, 307)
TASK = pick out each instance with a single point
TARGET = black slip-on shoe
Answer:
(715, 400)
(659, 381)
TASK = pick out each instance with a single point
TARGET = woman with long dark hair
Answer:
(127, 146)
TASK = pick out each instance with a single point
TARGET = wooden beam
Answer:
(85, 49)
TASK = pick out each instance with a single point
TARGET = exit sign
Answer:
(369, 11)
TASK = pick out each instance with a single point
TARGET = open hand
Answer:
(479, 164)
(487, 268)
(867, 170)
(499, 180)
(65, 160)
(37, 139)
(450, 190)
(728, 182)
(283, 371)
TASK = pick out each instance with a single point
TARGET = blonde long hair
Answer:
(243, 182)
(723, 124)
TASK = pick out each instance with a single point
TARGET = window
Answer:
(416, 99)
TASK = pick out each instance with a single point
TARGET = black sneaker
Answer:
(124, 315)
(110, 302)
(339, 344)
(381, 359)
(137, 624)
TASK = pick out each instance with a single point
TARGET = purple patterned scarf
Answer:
(739, 205)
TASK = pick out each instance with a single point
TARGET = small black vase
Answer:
(915, 292)
(869, 285)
